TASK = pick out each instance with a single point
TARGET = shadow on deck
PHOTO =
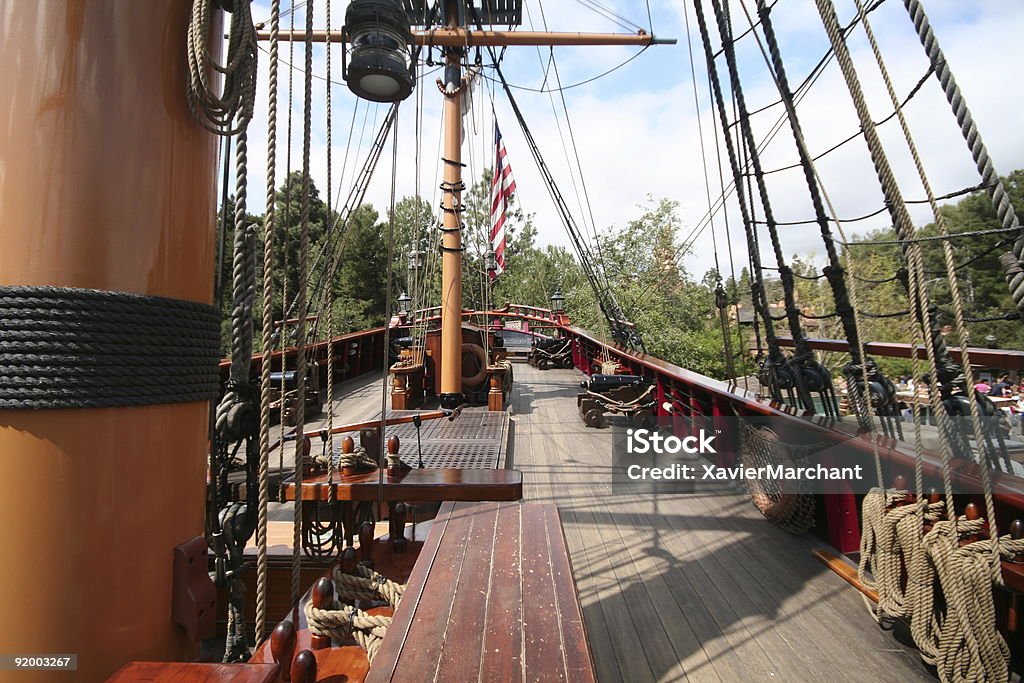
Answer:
(689, 587)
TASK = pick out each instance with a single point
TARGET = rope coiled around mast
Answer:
(63, 347)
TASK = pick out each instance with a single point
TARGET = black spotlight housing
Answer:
(378, 68)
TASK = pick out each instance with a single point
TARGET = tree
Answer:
(288, 233)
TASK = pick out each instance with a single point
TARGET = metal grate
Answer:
(475, 440)
(500, 12)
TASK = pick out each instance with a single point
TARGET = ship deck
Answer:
(689, 587)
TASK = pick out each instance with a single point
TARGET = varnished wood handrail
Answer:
(1004, 359)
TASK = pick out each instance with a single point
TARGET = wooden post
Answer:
(451, 240)
(366, 544)
(1013, 612)
(347, 447)
(323, 597)
(369, 439)
(496, 394)
(972, 512)
(399, 389)
(108, 184)
(347, 563)
(394, 459)
(282, 647)
(398, 542)
(304, 668)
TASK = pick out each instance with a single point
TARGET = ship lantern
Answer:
(491, 261)
(403, 303)
(557, 302)
(415, 260)
(378, 66)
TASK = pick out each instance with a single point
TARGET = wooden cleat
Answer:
(323, 598)
(366, 544)
(304, 668)
(282, 647)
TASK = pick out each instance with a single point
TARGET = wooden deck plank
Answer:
(584, 450)
(577, 658)
(582, 552)
(459, 660)
(655, 643)
(433, 610)
(398, 631)
(682, 568)
(808, 606)
(501, 647)
(543, 659)
(629, 660)
(608, 625)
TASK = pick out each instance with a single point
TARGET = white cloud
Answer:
(636, 130)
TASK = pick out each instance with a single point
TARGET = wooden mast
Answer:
(451, 240)
(454, 39)
(109, 184)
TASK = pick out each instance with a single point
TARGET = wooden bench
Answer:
(411, 486)
(490, 598)
(414, 486)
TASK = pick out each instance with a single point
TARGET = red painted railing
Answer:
(695, 396)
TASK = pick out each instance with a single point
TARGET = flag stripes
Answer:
(503, 185)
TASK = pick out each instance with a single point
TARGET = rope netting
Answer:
(788, 504)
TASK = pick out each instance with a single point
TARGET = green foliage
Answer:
(982, 285)
(675, 313)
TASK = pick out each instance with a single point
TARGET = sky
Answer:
(638, 131)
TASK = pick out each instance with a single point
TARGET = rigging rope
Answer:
(229, 114)
(1014, 271)
(969, 645)
(806, 373)
(720, 202)
(721, 298)
(776, 360)
(269, 226)
(235, 102)
(300, 350)
(834, 272)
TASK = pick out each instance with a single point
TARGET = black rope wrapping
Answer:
(86, 348)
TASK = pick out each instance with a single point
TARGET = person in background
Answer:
(1017, 409)
(982, 387)
(1001, 389)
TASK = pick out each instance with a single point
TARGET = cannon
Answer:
(550, 353)
(285, 403)
(629, 395)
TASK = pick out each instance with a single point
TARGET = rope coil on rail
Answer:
(346, 623)
(63, 347)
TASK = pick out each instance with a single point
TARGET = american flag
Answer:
(502, 188)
